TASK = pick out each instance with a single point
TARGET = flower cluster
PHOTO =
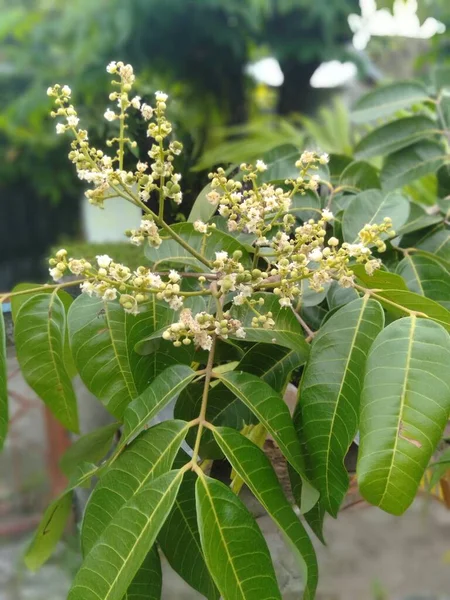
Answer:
(201, 327)
(281, 252)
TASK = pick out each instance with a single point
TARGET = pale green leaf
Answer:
(394, 136)
(91, 447)
(271, 410)
(234, 548)
(148, 457)
(179, 539)
(171, 253)
(425, 276)
(386, 100)
(202, 209)
(252, 465)
(371, 207)
(380, 280)
(330, 394)
(159, 393)
(40, 339)
(3, 382)
(54, 520)
(405, 407)
(404, 166)
(287, 331)
(114, 560)
(147, 583)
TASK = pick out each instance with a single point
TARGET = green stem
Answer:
(45, 286)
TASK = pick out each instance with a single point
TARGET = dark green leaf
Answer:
(286, 332)
(40, 339)
(394, 136)
(386, 100)
(148, 457)
(147, 583)
(330, 394)
(418, 219)
(314, 517)
(425, 276)
(252, 465)
(271, 410)
(338, 296)
(371, 207)
(405, 407)
(360, 176)
(306, 206)
(91, 447)
(437, 242)
(280, 164)
(113, 562)
(179, 539)
(234, 548)
(404, 166)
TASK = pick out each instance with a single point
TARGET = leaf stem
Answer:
(44, 286)
(413, 313)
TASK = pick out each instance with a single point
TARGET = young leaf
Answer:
(91, 447)
(147, 583)
(380, 280)
(360, 176)
(159, 393)
(114, 560)
(252, 465)
(3, 382)
(330, 394)
(287, 331)
(400, 303)
(372, 206)
(234, 548)
(386, 100)
(39, 335)
(54, 520)
(171, 253)
(404, 166)
(425, 276)
(394, 136)
(148, 457)
(405, 407)
(179, 539)
(271, 410)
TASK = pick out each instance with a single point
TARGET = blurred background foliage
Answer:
(196, 50)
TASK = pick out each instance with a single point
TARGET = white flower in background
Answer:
(136, 102)
(110, 115)
(146, 112)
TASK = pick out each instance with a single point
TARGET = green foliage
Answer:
(366, 342)
(3, 382)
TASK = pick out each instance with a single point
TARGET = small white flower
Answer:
(176, 302)
(221, 256)
(333, 241)
(261, 166)
(174, 277)
(315, 255)
(136, 102)
(161, 96)
(56, 274)
(141, 166)
(112, 67)
(110, 115)
(110, 294)
(241, 333)
(324, 158)
(66, 90)
(200, 226)
(327, 215)
(50, 91)
(103, 261)
(213, 197)
(60, 128)
(87, 288)
(73, 121)
(146, 111)
(285, 302)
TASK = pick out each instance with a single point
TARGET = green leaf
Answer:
(418, 219)
(330, 394)
(386, 100)
(280, 164)
(271, 410)
(179, 539)
(102, 337)
(437, 242)
(405, 407)
(171, 253)
(425, 276)
(3, 383)
(253, 466)
(338, 296)
(400, 303)
(114, 560)
(159, 393)
(394, 136)
(272, 364)
(371, 207)
(234, 548)
(287, 331)
(54, 520)
(148, 457)
(91, 447)
(306, 206)
(380, 280)
(39, 335)
(147, 583)
(314, 517)
(404, 166)
(360, 176)
(202, 209)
